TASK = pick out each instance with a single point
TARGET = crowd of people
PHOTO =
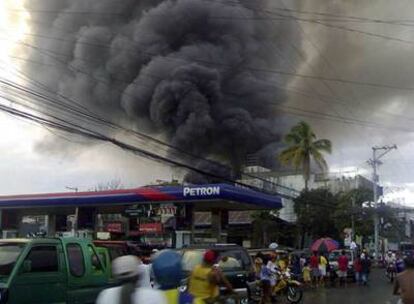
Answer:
(317, 271)
(314, 271)
(160, 282)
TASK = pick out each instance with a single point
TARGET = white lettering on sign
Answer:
(201, 191)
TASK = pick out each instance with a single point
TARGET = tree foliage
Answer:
(354, 203)
(315, 213)
(303, 147)
(321, 213)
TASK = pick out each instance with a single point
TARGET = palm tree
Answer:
(303, 146)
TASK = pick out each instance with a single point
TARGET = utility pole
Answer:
(353, 238)
(375, 162)
(353, 208)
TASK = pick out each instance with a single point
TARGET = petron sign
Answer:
(201, 191)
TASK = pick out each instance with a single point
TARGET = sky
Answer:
(369, 52)
(27, 169)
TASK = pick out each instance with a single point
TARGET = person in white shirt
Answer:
(144, 272)
(126, 270)
(272, 266)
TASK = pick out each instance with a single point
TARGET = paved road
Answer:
(379, 291)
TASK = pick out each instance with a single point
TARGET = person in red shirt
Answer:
(342, 268)
(314, 265)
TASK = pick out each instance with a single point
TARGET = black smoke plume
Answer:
(189, 71)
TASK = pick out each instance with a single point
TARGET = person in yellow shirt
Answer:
(168, 272)
(205, 279)
(306, 274)
(323, 262)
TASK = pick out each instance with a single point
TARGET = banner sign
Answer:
(150, 228)
(114, 227)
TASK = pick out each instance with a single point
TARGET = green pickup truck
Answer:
(51, 270)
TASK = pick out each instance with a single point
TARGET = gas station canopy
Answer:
(202, 196)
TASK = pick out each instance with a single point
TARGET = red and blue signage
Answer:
(174, 194)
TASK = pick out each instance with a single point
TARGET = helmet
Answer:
(126, 267)
(210, 256)
(167, 269)
(273, 246)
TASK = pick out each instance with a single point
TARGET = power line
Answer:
(286, 109)
(304, 93)
(332, 17)
(41, 50)
(345, 17)
(320, 97)
(305, 113)
(230, 3)
(280, 17)
(183, 152)
(329, 65)
(104, 45)
(257, 178)
(248, 68)
(63, 125)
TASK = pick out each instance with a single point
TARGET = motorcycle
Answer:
(289, 286)
(391, 271)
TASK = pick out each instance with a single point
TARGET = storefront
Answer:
(155, 214)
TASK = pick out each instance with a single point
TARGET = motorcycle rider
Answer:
(205, 279)
(272, 266)
(125, 269)
(390, 257)
(168, 273)
(390, 260)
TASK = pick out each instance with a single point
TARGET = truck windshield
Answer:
(9, 252)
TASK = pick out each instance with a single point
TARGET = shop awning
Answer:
(197, 194)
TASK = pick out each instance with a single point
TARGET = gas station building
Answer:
(170, 215)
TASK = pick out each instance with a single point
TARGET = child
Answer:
(306, 274)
